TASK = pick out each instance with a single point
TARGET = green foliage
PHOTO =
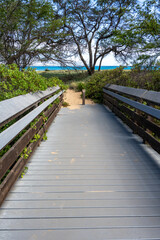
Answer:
(67, 76)
(24, 171)
(7, 125)
(45, 136)
(1, 180)
(135, 78)
(25, 30)
(2, 152)
(91, 25)
(65, 104)
(57, 101)
(44, 117)
(80, 86)
(95, 85)
(77, 86)
(35, 138)
(141, 36)
(50, 105)
(14, 82)
(33, 123)
(25, 153)
(97, 81)
(73, 86)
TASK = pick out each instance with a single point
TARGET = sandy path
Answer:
(74, 99)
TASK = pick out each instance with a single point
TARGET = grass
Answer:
(67, 76)
(72, 78)
(65, 104)
(79, 79)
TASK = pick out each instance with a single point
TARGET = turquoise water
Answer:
(43, 68)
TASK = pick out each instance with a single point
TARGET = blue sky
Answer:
(109, 60)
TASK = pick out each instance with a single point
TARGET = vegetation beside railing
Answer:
(133, 78)
(138, 108)
(78, 80)
(20, 142)
(14, 82)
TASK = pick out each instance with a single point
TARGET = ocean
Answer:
(43, 68)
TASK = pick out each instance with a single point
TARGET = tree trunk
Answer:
(91, 70)
(99, 69)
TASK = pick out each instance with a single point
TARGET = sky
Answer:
(109, 60)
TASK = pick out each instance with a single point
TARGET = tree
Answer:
(25, 29)
(149, 31)
(141, 38)
(91, 26)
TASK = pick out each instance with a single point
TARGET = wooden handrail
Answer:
(13, 107)
(144, 108)
(10, 133)
(41, 116)
(152, 97)
(144, 120)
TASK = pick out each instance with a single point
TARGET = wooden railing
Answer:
(138, 108)
(23, 122)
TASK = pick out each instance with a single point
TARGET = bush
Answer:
(149, 80)
(135, 78)
(94, 86)
(98, 80)
(81, 86)
(14, 82)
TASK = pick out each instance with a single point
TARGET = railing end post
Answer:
(83, 96)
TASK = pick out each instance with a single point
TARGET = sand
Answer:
(74, 99)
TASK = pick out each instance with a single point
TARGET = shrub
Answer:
(81, 86)
(14, 82)
(135, 78)
(73, 86)
(98, 80)
(65, 104)
(94, 86)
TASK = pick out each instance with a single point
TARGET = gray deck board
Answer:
(92, 179)
(76, 203)
(85, 234)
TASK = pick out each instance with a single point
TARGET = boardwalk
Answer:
(91, 180)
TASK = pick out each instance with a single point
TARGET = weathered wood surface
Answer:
(11, 108)
(141, 118)
(149, 96)
(92, 179)
(11, 132)
(14, 159)
(144, 108)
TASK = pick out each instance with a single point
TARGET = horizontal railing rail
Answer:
(138, 108)
(19, 139)
(151, 97)
(14, 107)
(11, 132)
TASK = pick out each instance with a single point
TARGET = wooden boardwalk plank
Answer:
(85, 234)
(92, 179)
(76, 203)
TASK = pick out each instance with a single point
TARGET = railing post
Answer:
(83, 96)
